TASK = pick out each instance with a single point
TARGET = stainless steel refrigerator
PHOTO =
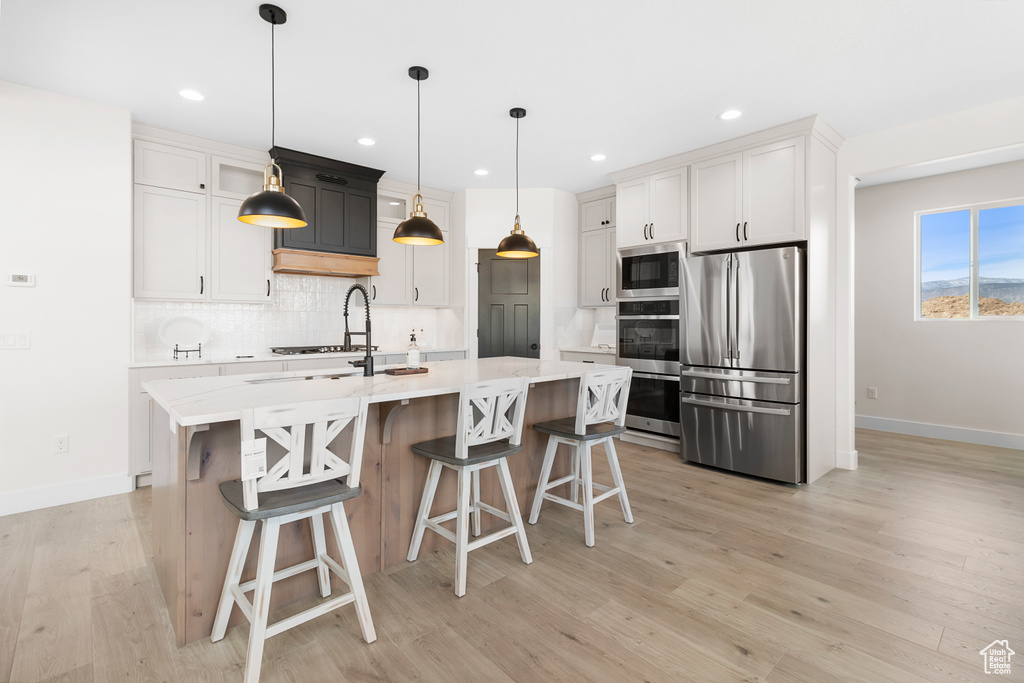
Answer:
(742, 372)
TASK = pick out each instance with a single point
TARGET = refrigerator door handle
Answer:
(740, 408)
(732, 378)
(736, 308)
(728, 309)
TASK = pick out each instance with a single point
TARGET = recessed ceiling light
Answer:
(730, 114)
(367, 141)
(394, 203)
(598, 157)
(192, 95)
(481, 171)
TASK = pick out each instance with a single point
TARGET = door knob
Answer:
(533, 347)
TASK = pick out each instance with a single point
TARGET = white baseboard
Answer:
(846, 460)
(962, 434)
(13, 502)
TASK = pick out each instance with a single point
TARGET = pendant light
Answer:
(518, 244)
(418, 230)
(272, 208)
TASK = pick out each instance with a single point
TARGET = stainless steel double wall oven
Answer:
(647, 318)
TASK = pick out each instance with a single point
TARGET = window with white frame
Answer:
(971, 262)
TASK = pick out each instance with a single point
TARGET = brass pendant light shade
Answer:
(418, 230)
(272, 208)
(518, 244)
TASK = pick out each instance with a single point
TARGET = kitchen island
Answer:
(196, 441)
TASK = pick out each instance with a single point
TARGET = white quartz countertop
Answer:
(221, 359)
(205, 400)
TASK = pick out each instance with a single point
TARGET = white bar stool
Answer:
(490, 429)
(600, 415)
(287, 492)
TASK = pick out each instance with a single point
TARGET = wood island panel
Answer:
(193, 531)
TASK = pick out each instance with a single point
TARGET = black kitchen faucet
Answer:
(367, 363)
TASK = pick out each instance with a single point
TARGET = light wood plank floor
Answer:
(900, 571)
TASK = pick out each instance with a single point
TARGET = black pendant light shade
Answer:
(518, 244)
(418, 230)
(272, 208)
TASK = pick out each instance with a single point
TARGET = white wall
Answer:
(955, 373)
(964, 133)
(549, 217)
(66, 181)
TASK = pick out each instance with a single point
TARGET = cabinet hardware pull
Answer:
(645, 231)
(652, 231)
(268, 286)
(602, 293)
(374, 288)
(200, 284)
(737, 232)
(745, 231)
(417, 293)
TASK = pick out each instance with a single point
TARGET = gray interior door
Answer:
(509, 306)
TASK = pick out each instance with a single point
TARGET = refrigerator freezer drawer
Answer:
(754, 385)
(752, 437)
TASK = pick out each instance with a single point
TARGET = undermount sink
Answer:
(302, 378)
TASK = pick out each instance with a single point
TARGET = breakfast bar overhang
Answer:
(196, 444)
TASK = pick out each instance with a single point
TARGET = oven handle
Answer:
(730, 406)
(647, 375)
(730, 378)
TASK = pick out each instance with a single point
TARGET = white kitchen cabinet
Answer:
(234, 178)
(431, 268)
(598, 214)
(434, 356)
(241, 267)
(139, 409)
(253, 367)
(653, 209)
(597, 268)
(749, 198)
(189, 243)
(413, 276)
(173, 168)
(594, 356)
(393, 287)
(170, 244)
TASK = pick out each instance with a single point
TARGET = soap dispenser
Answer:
(412, 356)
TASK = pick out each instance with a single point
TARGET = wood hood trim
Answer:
(321, 263)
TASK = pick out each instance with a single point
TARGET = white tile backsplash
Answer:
(305, 310)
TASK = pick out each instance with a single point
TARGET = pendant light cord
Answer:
(417, 135)
(517, 167)
(273, 89)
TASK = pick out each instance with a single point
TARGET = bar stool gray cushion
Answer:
(566, 428)
(443, 449)
(286, 501)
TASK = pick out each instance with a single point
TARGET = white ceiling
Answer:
(635, 80)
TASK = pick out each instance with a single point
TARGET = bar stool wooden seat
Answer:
(600, 415)
(489, 429)
(298, 486)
